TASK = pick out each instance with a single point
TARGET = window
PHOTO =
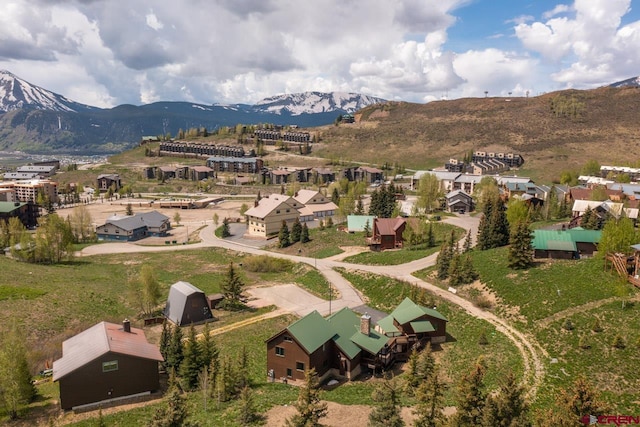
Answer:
(280, 351)
(110, 366)
(278, 211)
(287, 338)
(289, 373)
(299, 366)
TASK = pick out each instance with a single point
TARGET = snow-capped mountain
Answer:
(17, 94)
(632, 82)
(48, 122)
(315, 102)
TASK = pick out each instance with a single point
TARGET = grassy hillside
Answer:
(553, 132)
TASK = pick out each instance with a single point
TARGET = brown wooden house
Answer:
(387, 233)
(345, 344)
(411, 323)
(340, 345)
(106, 363)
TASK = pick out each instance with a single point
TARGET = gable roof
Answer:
(306, 196)
(98, 340)
(266, 205)
(388, 226)
(408, 311)
(311, 331)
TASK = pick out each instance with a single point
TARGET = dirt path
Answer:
(581, 308)
(246, 322)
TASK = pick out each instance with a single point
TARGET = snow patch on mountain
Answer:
(632, 82)
(315, 102)
(16, 94)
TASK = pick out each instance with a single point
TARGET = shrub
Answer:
(266, 264)
(568, 325)
(618, 342)
(482, 339)
(583, 343)
(596, 327)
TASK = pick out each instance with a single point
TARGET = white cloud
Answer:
(100, 53)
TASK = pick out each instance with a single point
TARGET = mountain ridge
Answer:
(33, 119)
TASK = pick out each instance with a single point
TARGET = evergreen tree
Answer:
(247, 413)
(165, 342)
(521, 248)
(173, 413)
(471, 397)
(283, 236)
(431, 238)
(308, 405)
(225, 383)
(412, 375)
(335, 196)
(232, 289)
(329, 222)
(443, 261)
(426, 363)
(190, 366)
(304, 234)
(493, 230)
(174, 353)
(508, 407)
(586, 217)
(455, 271)
(296, 231)
(359, 207)
(367, 229)
(243, 379)
(466, 246)
(129, 210)
(429, 403)
(387, 410)
(225, 228)
(468, 271)
(574, 403)
(209, 352)
(375, 208)
(16, 386)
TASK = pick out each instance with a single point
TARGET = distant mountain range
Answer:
(33, 119)
(632, 82)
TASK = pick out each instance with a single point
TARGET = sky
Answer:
(110, 52)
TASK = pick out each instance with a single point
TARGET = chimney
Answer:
(126, 325)
(255, 203)
(365, 324)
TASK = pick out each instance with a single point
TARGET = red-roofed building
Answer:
(387, 233)
(106, 363)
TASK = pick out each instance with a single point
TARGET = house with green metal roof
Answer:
(565, 244)
(346, 344)
(410, 323)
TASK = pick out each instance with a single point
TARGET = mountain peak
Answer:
(315, 102)
(16, 94)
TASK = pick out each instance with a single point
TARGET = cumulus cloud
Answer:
(593, 42)
(228, 51)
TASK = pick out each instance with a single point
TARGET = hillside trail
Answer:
(543, 323)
